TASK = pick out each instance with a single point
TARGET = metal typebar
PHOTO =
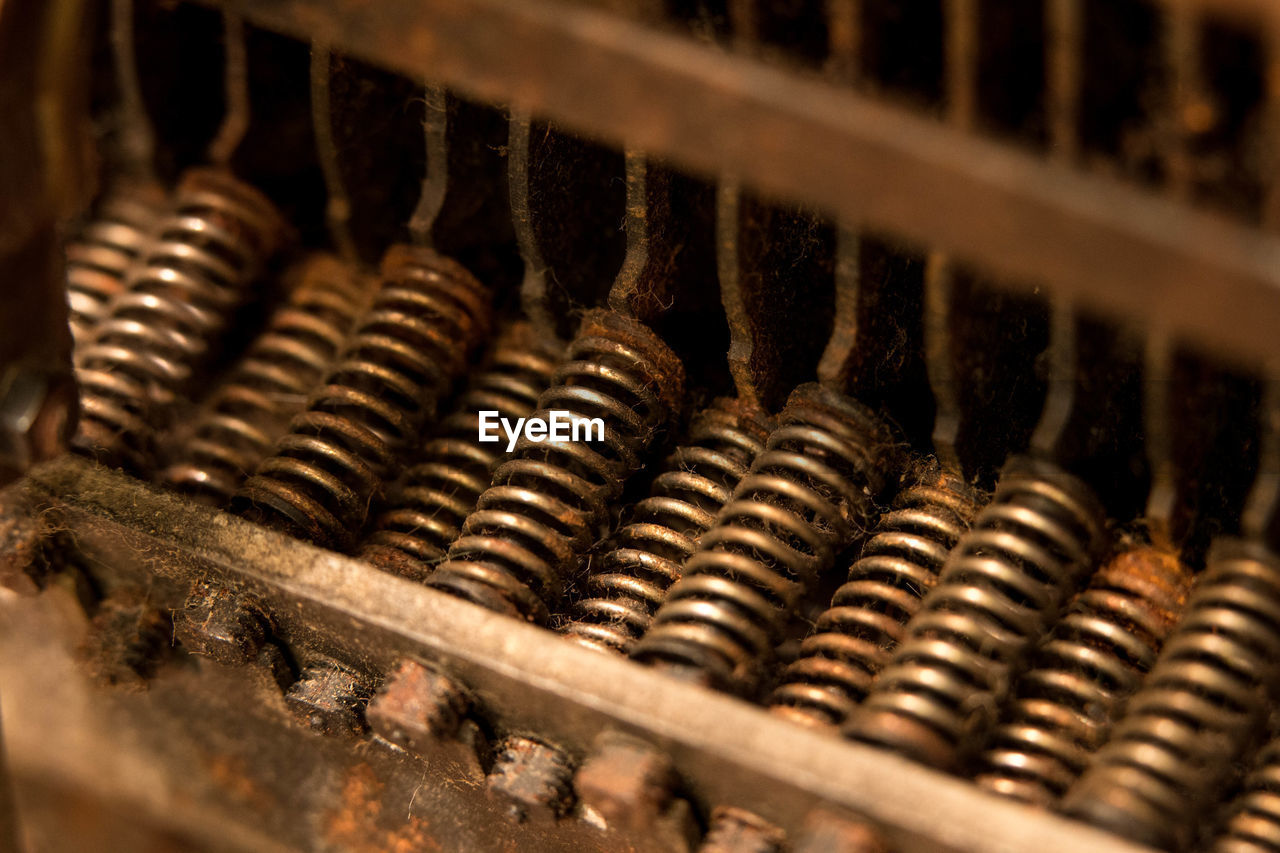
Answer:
(862, 161)
(725, 750)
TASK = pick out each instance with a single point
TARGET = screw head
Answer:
(329, 699)
(220, 624)
(531, 781)
(425, 712)
(627, 782)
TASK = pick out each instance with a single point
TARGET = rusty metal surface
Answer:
(726, 752)
(853, 156)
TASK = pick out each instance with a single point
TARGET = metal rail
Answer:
(1111, 246)
(726, 751)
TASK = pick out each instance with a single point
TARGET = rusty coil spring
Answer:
(646, 556)
(161, 330)
(1094, 658)
(1252, 823)
(547, 503)
(454, 468)
(243, 418)
(1000, 588)
(854, 638)
(405, 352)
(102, 254)
(809, 494)
(1202, 705)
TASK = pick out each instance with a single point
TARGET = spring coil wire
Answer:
(427, 318)
(549, 502)
(241, 421)
(810, 493)
(1201, 707)
(454, 467)
(646, 556)
(102, 254)
(1252, 823)
(1001, 587)
(1094, 658)
(161, 331)
(854, 639)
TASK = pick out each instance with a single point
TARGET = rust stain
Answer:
(359, 824)
(230, 773)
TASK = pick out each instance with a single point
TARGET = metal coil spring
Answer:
(1252, 823)
(854, 639)
(1000, 588)
(160, 332)
(1202, 705)
(243, 418)
(454, 468)
(1094, 658)
(809, 494)
(103, 253)
(646, 556)
(547, 504)
(406, 351)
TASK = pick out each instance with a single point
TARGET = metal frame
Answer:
(524, 678)
(860, 160)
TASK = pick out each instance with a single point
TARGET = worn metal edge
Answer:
(528, 679)
(863, 161)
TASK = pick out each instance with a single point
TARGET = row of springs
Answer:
(1004, 639)
(980, 639)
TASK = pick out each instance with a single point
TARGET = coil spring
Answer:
(1092, 660)
(1201, 706)
(244, 417)
(645, 557)
(809, 494)
(854, 639)
(103, 253)
(442, 489)
(1252, 824)
(160, 331)
(999, 589)
(547, 503)
(427, 318)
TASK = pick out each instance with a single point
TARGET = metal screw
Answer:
(627, 782)
(531, 781)
(329, 698)
(223, 625)
(424, 712)
(735, 830)
(827, 832)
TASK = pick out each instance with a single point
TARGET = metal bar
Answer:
(1117, 248)
(725, 750)
(1180, 44)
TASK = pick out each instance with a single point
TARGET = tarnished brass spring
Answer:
(548, 502)
(101, 255)
(427, 318)
(243, 418)
(809, 494)
(454, 468)
(1252, 823)
(1000, 588)
(160, 332)
(646, 556)
(1094, 658)
(1202, 705)
(854, 639)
